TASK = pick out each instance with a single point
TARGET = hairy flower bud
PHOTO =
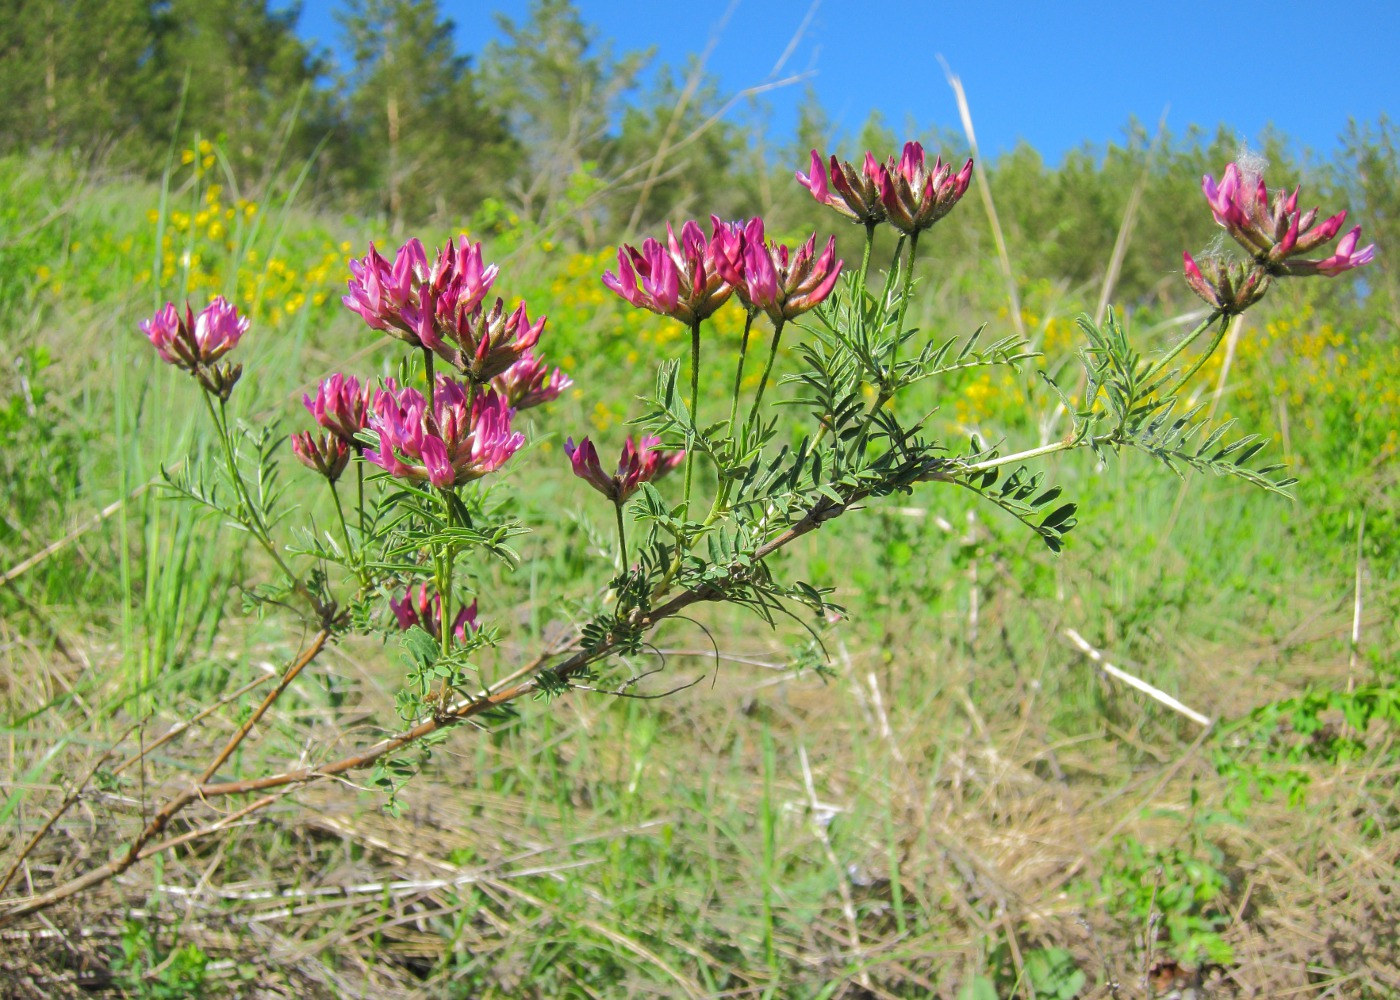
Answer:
(1227, 286)
(916, 195)
(481, 344)
(327, 454)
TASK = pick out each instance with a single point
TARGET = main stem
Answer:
(253, 521)
(621, 534)
(904, 297)
(444, 584)
(1161, 366)
(340, 514)
(739, 372)
(767, 369)
(694, 408)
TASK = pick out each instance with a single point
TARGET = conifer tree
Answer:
(424, 142)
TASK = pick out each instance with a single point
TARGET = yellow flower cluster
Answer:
(199, 249)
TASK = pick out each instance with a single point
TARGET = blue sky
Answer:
(1056, 74)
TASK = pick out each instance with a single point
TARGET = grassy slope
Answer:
(963, 796)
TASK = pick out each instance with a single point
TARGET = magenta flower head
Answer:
(916, 195)
(856, 195)
(446, 445)
(341, 406)
(641, 462)
(1273, 233)
(327, 454)
(195, 343)
(687, 279)
(529, 383)
(1228, 287)
(405, 298)
(784, 283)
(481, 344)
(426, 612)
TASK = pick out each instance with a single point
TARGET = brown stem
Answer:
(185, 726)
(317, 644)
(140, 848)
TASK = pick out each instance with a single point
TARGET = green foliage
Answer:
(1265, 754)
(147, 970)
(1048, 973)
(1175, 892)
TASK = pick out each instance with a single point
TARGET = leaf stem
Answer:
(1180, 383)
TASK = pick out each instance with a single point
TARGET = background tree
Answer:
(74, 73)
(422, 140)
(246, 79)
(562, 92)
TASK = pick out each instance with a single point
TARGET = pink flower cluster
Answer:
(442, 307)
(446, 444)
(910, 194)
(688, 279)
(195, 343)
(1275, 233)
(641, 462)
(340, 407)
(417, 608)
(529, 382)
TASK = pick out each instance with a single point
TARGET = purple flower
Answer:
(448, 445)
(784, 283)
(855, 195)
(426, 612)
(1275, 232)
(641, 462)
(1227, 287)
(687, 279)
(327, 454)
(529, 383)
(340, 406)
(192, 342)
(409, 298)
(916, 195)
(1345, 258)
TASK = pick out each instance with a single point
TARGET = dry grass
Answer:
(961, 818)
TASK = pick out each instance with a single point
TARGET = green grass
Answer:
(995, 804)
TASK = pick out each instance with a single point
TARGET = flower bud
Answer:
(916, 195)
(1228, 286)
(641, 462)
(327, 454)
